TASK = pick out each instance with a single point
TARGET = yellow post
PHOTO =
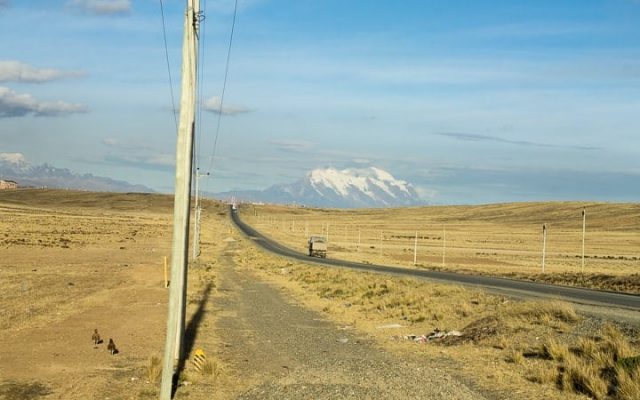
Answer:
(166, 282)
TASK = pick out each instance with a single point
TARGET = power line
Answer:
(166, 53)
(224, 86)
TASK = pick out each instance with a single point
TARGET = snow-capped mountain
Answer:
(15, 167)
(329, 187)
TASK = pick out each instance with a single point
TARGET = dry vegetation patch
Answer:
(535, 349)
(72, 262)
(495, 239)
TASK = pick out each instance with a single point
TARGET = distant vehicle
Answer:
(317, 246)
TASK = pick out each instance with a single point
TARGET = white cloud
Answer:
(425, 193)
(13, 158)
(213, 105)
(17, 71)
(102, 7)
(13, 104)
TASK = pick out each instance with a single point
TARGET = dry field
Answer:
(499, 239)
(510, 349)
(72, 262)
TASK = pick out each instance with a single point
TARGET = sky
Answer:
(470, 101)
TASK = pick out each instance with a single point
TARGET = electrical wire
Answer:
(166, 53)
(224, 87)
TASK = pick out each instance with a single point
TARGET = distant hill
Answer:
(15, 167)
(329, 187)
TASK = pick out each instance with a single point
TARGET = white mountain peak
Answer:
(346, 188)
(367, 181)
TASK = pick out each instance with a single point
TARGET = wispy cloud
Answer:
(213, 105)
(138, 155)
(4, 4)
(472, 137)
(295, 146)
(14, 104)
(17, 71)
(102, 7)
(126, 146)
(153, 162)
(534, 29)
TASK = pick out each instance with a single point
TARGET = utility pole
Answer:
(584, 228)
(196, 228)
(444, 244)
(415, 250)
(182, 203)
(544, 244)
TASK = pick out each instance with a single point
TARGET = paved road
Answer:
(505, 286)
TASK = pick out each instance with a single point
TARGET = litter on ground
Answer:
(437, 334)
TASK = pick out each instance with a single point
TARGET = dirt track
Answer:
(284, 351)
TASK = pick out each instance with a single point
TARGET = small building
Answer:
(8, 184)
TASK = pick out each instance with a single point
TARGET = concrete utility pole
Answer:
(184, 161)
(444, 244)
(415, 250)
(584, 228)
(198, 211)
(544, 244)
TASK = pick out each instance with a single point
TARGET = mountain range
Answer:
(15, 167)
(329, 187)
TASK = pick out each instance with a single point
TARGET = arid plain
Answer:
(496, 239)
(73, 262)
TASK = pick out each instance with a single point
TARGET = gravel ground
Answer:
(284, 351)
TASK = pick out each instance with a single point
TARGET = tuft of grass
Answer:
(154, 369)
(544, 312)
(554, 350)
(587, 348)
(515, 356)
(615, 345)
(583, 377)
(628, 384)
(211, 368)
(543, 374)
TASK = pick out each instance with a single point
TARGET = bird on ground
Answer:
(112, 347)
(96, 338)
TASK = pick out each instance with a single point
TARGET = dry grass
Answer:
(211, 368)
(75, 261)
(628, 384)
(153, 369)
(531, 346)
(23, 391)
(498, 239)
(582, 377)
(542, 374)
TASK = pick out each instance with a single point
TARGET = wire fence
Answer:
(477, 246)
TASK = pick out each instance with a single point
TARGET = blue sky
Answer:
(471, 101)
